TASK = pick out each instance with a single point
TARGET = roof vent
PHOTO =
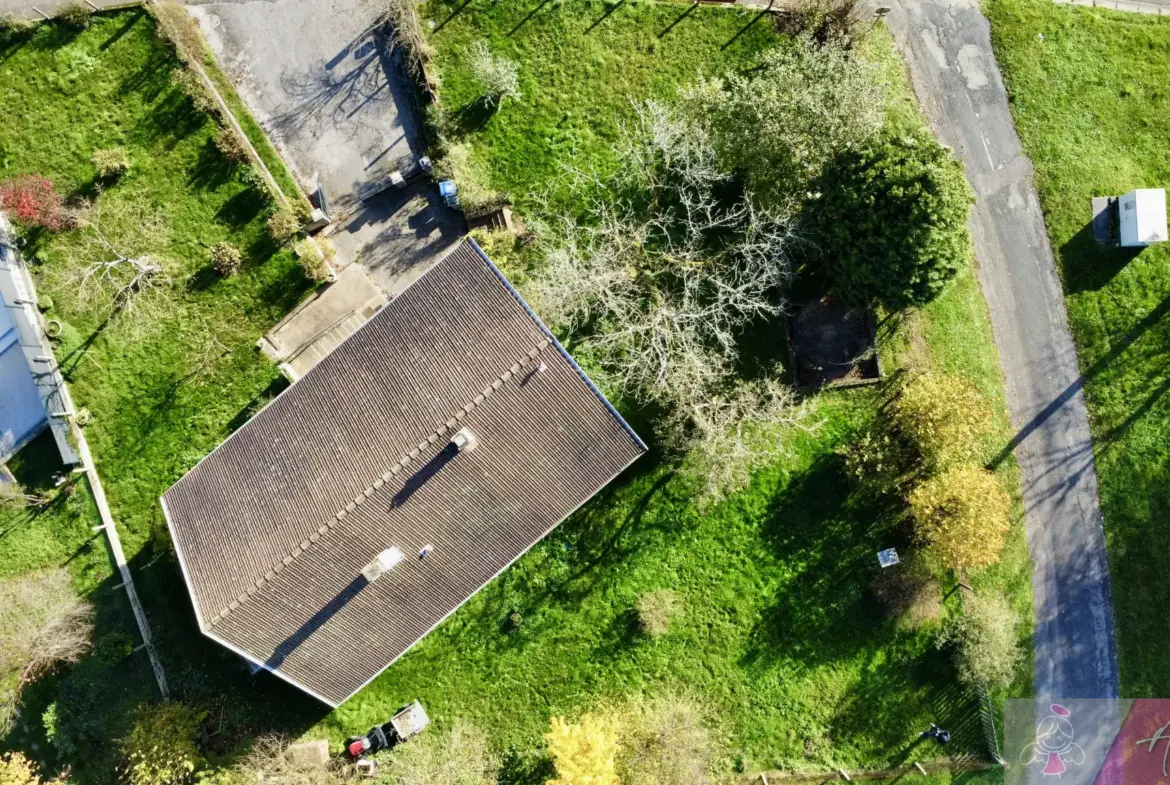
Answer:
(383, 562)
(465, 440)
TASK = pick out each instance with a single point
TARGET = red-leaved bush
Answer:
(32, 201)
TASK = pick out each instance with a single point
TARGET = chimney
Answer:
(465, 440)
(383, 562)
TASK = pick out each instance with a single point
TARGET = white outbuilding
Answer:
(1142, 216)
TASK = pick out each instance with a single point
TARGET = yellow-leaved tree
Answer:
(963, 515)
(944, 417)
(584, 752)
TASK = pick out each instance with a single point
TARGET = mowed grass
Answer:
(161, 394)
(1091, 101)
(582, 65)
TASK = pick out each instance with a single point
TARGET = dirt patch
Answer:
(832, 345)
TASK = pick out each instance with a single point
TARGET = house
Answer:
(396, 478)
(32, 393)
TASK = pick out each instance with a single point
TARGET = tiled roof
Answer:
(274, 527)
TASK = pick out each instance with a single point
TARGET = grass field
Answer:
(780, 636)
(160, 398)
(1092, 106)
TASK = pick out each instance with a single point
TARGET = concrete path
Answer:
(947, 44)
(328, 89)
(39, 9)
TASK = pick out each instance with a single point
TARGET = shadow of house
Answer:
(1087, 265)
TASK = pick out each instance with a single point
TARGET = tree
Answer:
(784, 120)
(15, 769)
(666, 742)
(42, 623)
(115, 264)
(33, 201)
(892, 220)
(498, 77)
(656, 610)
(963, 515)
(987, 649)
(672, 263)
(460, 755)
(160, 749)
(584, 752)
(270, 760)
(945, 419)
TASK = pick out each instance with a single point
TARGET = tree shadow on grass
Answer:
(242, 208)
(133, 18)
(827, 536)
(473, 116)
(212, 168)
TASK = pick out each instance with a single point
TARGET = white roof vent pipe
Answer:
(383, 563)
(465, 440)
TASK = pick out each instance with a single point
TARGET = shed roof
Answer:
(274, 527)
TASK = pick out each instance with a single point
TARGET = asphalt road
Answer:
(948, 47)
(327, 87)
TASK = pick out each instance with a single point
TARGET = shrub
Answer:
(283, 225)
(876, 458)
(77, 15)
(225, 258)
(892, 220)
(656, 609)
(11, 26)
(584, 753)
(944, 418)
(963, 515)
(33, 201)
(666, 743)
(909, 593)
(314, 256)
(460, 755)
(498, 77)
(232, 145)
(111, 162)
(15, 769)
(174, 24)
(42, 623)
(193, 86)
(782, 121)
(826, 21)
(252, 177)
(406, 31)
(986, 648)
(160, 749)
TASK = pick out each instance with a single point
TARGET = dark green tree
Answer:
(892, 220)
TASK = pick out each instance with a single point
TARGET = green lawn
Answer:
(780, 637)
(159, 400)
(580, 69)
(1092, 104)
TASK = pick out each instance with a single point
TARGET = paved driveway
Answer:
(948, 46)
(330, 93)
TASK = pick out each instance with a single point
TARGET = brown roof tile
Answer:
(274, 527)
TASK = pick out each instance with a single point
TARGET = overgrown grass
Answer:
(779, 635)
(1089, 94)
(581, 66)
(162, 394)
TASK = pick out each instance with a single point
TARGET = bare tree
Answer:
(14, 496)
(42, 623)
(661, 280)
(115, 265)
(667, 742)
(672, 271)
(461, 755)
(270, 760)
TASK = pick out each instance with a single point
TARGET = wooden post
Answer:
(920, 768)
(844, 775)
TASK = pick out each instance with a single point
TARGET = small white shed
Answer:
(1143, 217)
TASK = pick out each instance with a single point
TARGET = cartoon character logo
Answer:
(1054, 744)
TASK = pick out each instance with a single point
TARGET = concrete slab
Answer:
(326, 87)
(39, 9)
(398, 236)
(352, 299)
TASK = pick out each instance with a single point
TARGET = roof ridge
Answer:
(405, 460)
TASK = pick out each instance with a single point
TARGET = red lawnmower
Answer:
(409, 720)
